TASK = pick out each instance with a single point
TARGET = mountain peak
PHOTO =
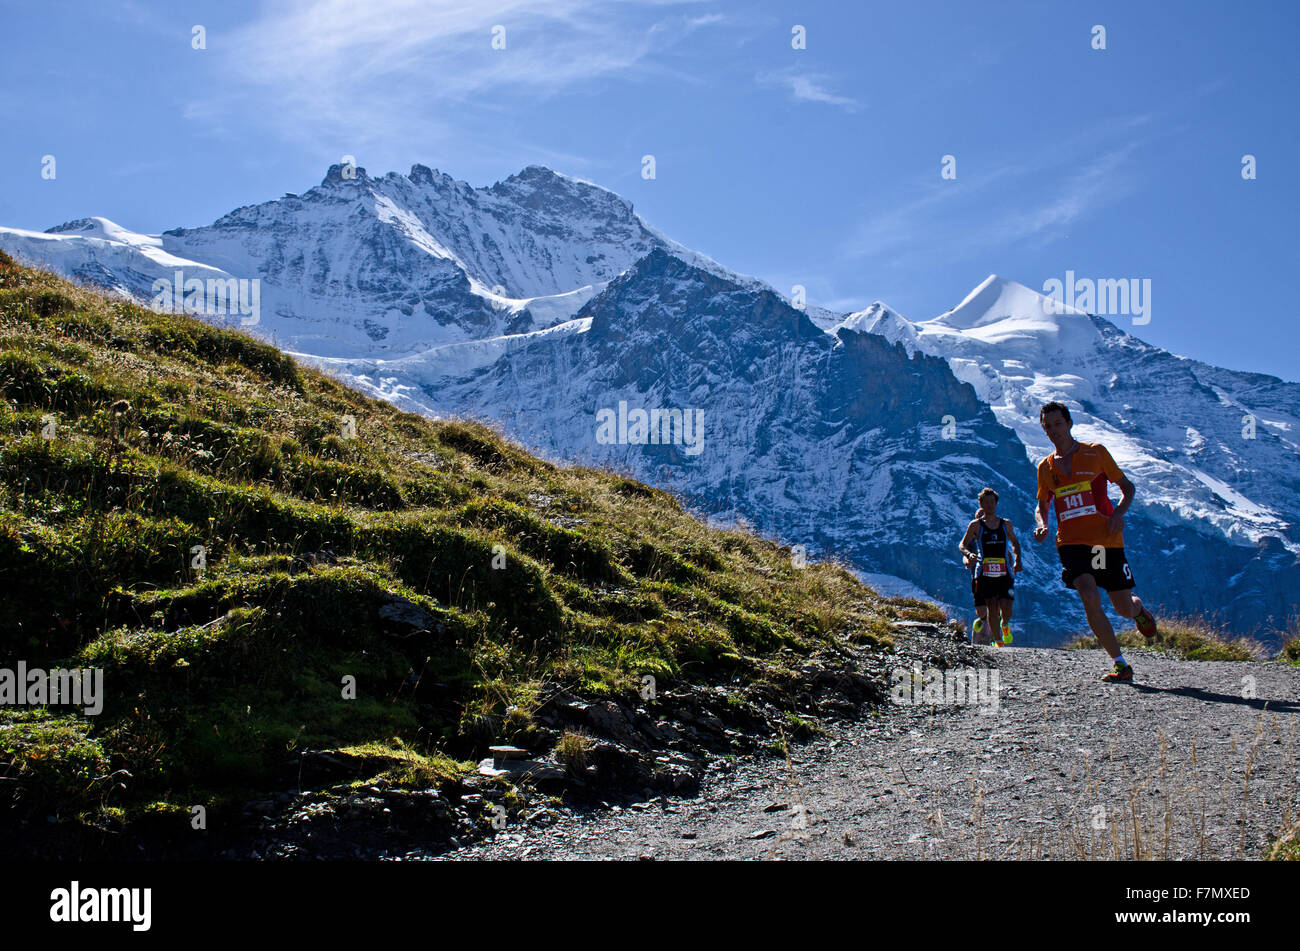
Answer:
(659, 263)
(335, 176)
(94, 227)
(995, 299)
(535, 171)
(669, 262)
(104, 229)
(422, 174)
(881, 319)
(535, 176)
(539, 178)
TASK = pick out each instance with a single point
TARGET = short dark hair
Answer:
(984, 492)
(1055, 407)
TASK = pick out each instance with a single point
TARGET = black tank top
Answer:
(993, 551)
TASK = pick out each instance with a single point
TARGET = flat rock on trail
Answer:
(1194, 760)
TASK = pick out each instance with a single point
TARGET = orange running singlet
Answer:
(1080, 499)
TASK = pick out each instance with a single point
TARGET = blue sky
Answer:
(818, 167)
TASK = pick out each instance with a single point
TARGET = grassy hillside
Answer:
(455, 577)
(1191, 638)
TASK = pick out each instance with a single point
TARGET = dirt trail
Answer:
(1193, 761)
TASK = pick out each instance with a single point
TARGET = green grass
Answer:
(404, 767)
(802, 727)
(1187, 639)
(1290, 651)
(130, 440)
(1285, 846)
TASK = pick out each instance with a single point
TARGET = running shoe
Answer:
(1146, 626)
(1006, 634)
(1123, 673)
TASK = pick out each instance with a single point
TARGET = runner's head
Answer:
(988, 502)
(1055, 417)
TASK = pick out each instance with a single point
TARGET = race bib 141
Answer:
(1074, 500)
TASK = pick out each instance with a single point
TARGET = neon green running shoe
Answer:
(1123, 673)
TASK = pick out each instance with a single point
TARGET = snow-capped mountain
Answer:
(386, 266)
(545, 304)
(1181, 429)
(101, 252)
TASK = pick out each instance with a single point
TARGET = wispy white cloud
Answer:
(388, 69)
(1097, 185)
(707, 19)
(915, 220)
(807, 87)
(689, 24)
(1038, 195)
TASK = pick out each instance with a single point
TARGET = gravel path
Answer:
(1187, 763)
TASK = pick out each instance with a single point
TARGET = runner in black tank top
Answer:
(993, 548)
(991, 570)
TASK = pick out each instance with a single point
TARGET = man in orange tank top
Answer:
(1089, 530)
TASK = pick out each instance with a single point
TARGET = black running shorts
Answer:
(1112, 572)
(986, 589)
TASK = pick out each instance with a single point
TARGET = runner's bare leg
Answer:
(1127, 604)
(1086, 585)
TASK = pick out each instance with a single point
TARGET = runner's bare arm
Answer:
(967, 555)
(1129, 490)
(1040, 521)
(1115, 522)
(1015, 542)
